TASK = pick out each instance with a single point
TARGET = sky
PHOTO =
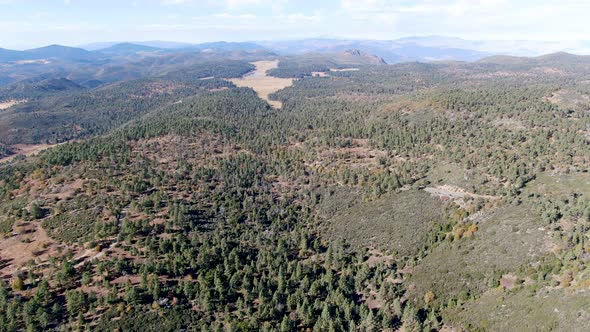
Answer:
(32, 23)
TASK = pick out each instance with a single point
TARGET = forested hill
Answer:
(413, 196)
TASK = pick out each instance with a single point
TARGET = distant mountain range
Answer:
(390, 51)
(129, 48)
(48, 52)
(559, 59)
(430, 48)
(155, 44)
(67, 53)
(423, 49)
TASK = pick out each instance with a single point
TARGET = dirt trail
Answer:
(263, 84)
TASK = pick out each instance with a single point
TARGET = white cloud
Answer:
(282, 19)
(229, 16)
(364, 5)
(240, 3)
(176, 2)
(299, 18)
(477, 19)
(388, 18)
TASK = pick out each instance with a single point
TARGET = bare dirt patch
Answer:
(90, 254)
(377, 257)
(9, 103)
(263, 84)
(452, 192)
(29, 242)
(332, 70)
(319, 74)
(68, 190)
(26, 150)
(343, 69)
(29, 62)
(461, 197)
(508, 281)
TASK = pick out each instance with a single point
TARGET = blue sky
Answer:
(29, 23)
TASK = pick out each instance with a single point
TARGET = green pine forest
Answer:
(407, 197)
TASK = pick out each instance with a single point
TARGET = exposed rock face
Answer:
(368, 58)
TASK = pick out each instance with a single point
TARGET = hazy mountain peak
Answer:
(369, 58)
(62, 52)
(127, 48)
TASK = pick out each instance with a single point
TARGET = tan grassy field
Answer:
(263, 84)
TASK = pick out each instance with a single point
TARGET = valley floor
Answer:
(262, 83)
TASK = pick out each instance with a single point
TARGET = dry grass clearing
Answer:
(520, 310)
(263, 84)
(508, 238)
(553, 185)
(569, 98)
(9, 103)
(397, 224)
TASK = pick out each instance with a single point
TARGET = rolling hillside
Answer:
(176, 194)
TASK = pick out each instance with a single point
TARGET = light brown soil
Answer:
(508, 281)
(344, 69)
(30, 242)
(319, 74)
(376, 257)
(26, 150)
(333, 70)
(28, 62)
(456, 192)
(68, 190)
(132, 279)
(9, 103)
